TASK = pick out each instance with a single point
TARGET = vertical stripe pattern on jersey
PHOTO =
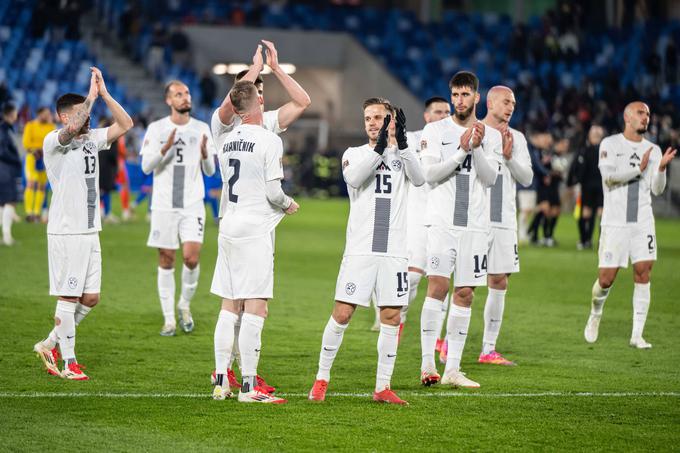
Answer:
(462, 203)
(633, 201)
(497, 200)
(381, 225)
(178, 186)
(91, 200)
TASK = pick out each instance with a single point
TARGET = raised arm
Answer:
(79, 114)
(486, 172)
(411, 165)
(225, 110)
(300, 100)
(121, 120)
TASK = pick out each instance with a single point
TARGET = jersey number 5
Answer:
(234, 177)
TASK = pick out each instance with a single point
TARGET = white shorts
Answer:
(75, 263)
(384, 277)
(503, 254)
(526, 200)
(618, 244)
(417, 246)
(245, 268)
(169, 228)
(461, 253)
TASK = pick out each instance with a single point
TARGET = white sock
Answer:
(224, 340)
(166, 293)
(457, 330)
(493, 317)
(249, 341)
(330, 343)
(413, 282)
(189, 284)
(66, 329)
(81, 312)
(442, 317)
(387, 355)
(641, 299)
(599, 297)
(52, 339)
(7, 219)
(429, 320)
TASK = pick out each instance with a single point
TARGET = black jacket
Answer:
(10, 161)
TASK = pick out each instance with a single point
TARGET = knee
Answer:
(390, 316)
(166, 259)
(89, 300)
(606, 281)
(437, 288)
(342, 314)
(642, 276)
(464, 296)
(191, 261)
(499, 281)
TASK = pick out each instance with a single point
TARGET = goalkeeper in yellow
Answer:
(36, 177)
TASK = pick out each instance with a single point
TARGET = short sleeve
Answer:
(99, 137)
(51, 143)
(212, 149)
(274, 159)
(270, 121)
(430, 143)
(606, 157)
(218, 128)
(151, 144)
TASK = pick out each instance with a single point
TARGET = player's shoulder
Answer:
(198, 124)
(354, 150)
(493, 133)
(517, 134)
(611, 140)
(438, 125)
(159, 123)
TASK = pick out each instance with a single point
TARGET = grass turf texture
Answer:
(547, 307)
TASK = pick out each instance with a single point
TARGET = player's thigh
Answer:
(244, 269)
(68, 259)
(164, 230)
(442, 248)
(93, 279)
(503, 252)
(192, 228)
(417, 246)
(357, 279)
(614, 247)
(391, 288)
(471, 260)
(643, 243)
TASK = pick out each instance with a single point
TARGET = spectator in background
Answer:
(36, 176)
(208, 89)
(179, 44)
(10, 171)
(108, 167)
(541, 143)
(156, 55)
(587, 175)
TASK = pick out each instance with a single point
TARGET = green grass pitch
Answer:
(564, 395)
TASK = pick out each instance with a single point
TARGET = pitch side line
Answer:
(349, 395)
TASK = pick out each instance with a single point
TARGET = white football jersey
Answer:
(270, 121)
(461, 201)
(503, 194)
(177, 180)
(417, 196)
(251, 156)
(73, 172)
(629, 203)
(377, 209)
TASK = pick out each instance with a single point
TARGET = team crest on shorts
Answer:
(396, 165)
(156, 234)
(608, 256)
(72, 282)
(434, 262)
(350, 288)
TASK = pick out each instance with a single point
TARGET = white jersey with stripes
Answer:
(178, 180)
(378, 208)
(73, 172)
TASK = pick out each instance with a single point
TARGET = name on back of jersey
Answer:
(239, 146)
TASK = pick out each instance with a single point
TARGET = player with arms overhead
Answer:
(176, 149)
(376, 256)
(460, 160)
(224, 120)
(74, 253)
(503, 252)
(251, 167)
(631, 168)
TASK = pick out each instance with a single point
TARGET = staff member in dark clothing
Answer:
(108, 168)
(10, 171)
(587, 174)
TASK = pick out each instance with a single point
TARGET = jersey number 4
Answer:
(467, 164)
(236, 164)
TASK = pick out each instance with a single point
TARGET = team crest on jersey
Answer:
(383, 166)
(350, 288)
(89, 147)
(603, 155)
(179, 141)
(434, 262)
(396, 164)
(193, 141)
(345, 164)
(72, 282)
(423, 144)
(634, 157)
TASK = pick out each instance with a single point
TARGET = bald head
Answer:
(500, 103)
(177, 96)
(636, 117)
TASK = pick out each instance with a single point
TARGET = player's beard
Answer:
(642, 129)
(465, 114)
(184, 110)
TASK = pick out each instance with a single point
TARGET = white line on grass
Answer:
(349, 395)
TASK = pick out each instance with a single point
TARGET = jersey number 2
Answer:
(234, 177)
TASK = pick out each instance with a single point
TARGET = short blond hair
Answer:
(242, 95)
